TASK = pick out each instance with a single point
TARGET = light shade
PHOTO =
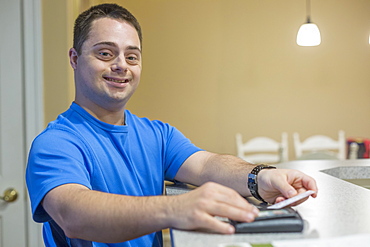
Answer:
(308, 35)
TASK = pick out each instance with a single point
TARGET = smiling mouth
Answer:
(116, 80)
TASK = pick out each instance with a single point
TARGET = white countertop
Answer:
(341, 208)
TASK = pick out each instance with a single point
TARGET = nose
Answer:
(119, 65)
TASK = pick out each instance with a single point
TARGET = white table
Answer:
(341, 208)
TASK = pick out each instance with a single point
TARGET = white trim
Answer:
(33, 93)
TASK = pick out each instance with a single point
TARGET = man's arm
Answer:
(274, 185)
(104, 217)
(227, 170)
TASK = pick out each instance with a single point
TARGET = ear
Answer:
(73, 58)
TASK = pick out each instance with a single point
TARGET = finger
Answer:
(235, 202)
(232, 212)
(225, 202)
(299, 202)
(280, 199)
(285, 189)
(226, 195)
(310, 184)
(231, 205)
(213, 224)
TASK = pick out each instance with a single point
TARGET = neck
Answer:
(109, 116)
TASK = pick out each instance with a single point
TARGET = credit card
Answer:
(291, 200)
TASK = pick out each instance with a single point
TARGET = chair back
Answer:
(315, 145)
(262, 149)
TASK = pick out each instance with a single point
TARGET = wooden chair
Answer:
(320, 147)
(263, 149)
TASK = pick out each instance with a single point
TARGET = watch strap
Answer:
(252, 180)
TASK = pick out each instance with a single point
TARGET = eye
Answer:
(104, 55)
(132, 59)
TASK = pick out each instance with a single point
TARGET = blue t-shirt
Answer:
(132, 159)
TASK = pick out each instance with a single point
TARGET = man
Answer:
(95, 175)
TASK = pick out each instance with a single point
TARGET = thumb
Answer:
(286, 189)
(287, 193)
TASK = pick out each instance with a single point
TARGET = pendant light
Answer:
(309, 33)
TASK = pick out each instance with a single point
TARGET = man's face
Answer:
(108, 70)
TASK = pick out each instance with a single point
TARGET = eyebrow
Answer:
(131, 47)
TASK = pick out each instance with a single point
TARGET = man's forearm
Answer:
(228, 170)
(102, 217)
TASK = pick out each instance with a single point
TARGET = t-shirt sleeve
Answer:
(178, 149)
(53, 162)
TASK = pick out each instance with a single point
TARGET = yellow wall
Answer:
(216, 67)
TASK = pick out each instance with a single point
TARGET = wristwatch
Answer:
(252, 180)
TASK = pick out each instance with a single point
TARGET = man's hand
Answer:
(276, 185)
(196, 209)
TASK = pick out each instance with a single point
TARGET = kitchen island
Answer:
(341, 208)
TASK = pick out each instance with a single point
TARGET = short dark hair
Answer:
(83, 22)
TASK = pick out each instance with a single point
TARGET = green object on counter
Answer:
(262, 245)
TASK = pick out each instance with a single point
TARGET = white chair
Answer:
(320, 147)
(263, 149)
